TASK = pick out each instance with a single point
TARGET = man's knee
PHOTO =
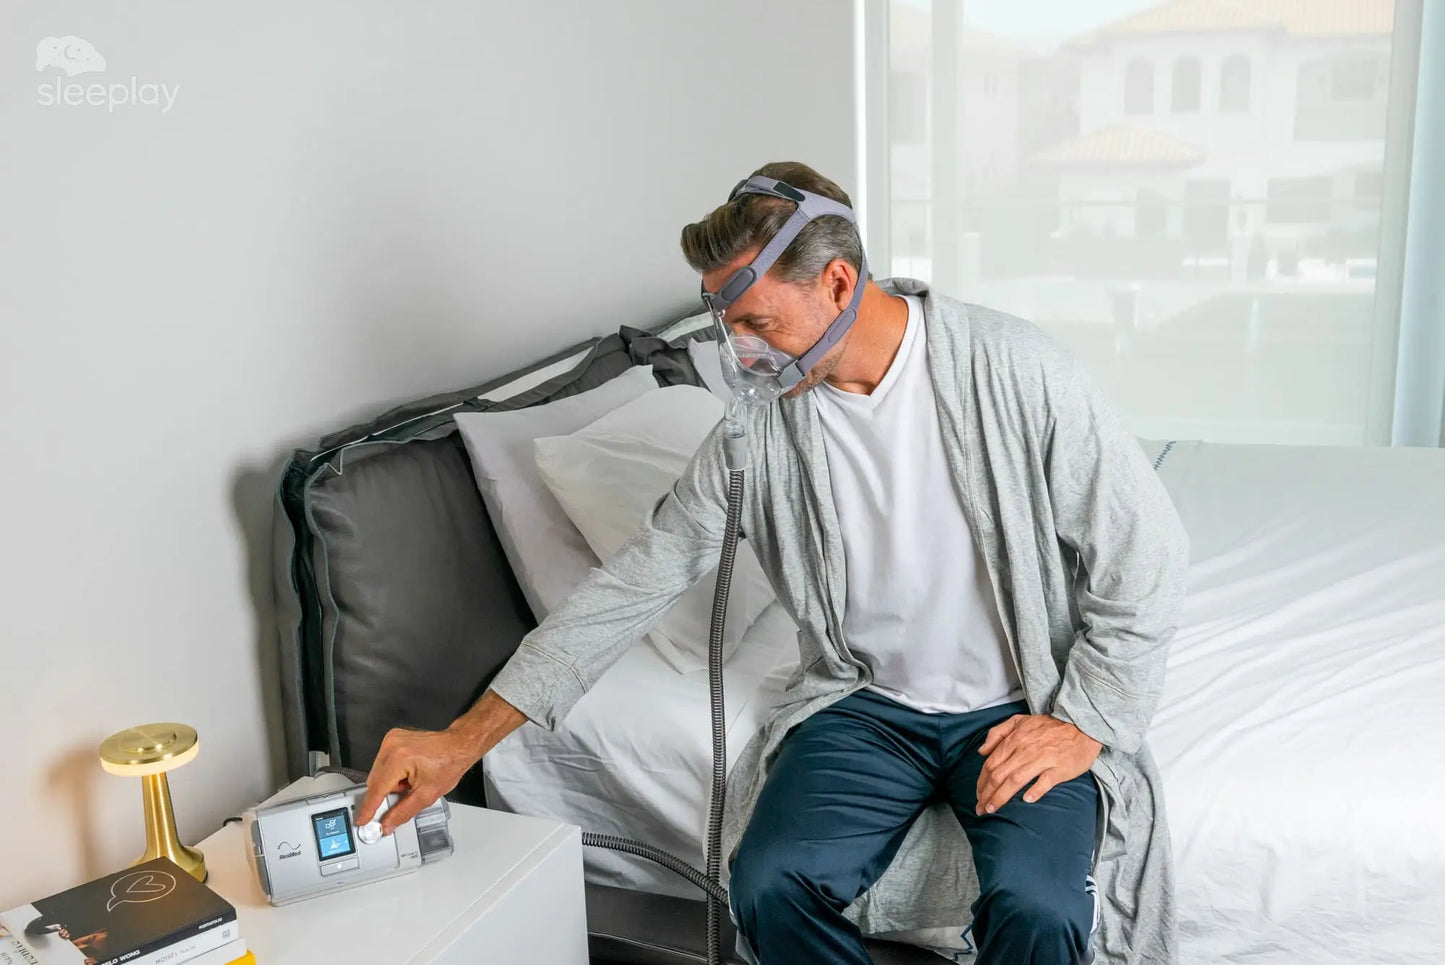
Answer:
(772, 877)
(1028, 918)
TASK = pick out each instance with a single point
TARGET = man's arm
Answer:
(1110, 508)
(562, 658)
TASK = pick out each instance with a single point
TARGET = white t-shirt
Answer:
(919, 612)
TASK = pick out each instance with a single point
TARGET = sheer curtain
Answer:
(1205, 200)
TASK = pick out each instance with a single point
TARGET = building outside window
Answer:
(1238, 199)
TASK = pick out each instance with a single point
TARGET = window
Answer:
(1297, 201)
(1352, 79)
(910, 240)
(1151, 215)
(907, 107)
(1066, 177)
(1187, 82)
(1139, 88)
(1369, 189)
(1234, 84)
(1340, 98)
(1206, 212)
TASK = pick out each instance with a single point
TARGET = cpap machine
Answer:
(304, 841)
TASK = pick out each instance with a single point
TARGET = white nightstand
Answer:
(511, 892)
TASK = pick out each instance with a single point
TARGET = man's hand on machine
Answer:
(423, 765)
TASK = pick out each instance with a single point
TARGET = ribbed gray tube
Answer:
(709, 881)
(670, 862)
(731, 530)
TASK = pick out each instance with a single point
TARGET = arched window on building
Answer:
(1234, 84)
(1139, 87)
(1185, 93)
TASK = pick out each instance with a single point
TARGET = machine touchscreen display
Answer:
(333, 834)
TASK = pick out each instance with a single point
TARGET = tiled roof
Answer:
(1120, 144)
(1305, 18)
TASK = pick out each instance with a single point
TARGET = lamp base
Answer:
(161, 838)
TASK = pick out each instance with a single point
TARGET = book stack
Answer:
(151, 914)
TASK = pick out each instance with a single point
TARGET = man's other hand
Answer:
(1031, 747)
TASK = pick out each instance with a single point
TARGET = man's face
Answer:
(788, 316)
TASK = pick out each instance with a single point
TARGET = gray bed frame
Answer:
(396, 605)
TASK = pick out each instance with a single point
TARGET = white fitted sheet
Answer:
(1302, 731)
(1301, 735)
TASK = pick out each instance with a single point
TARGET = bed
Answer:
(1300, 735)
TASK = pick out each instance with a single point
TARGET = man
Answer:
(985, 572)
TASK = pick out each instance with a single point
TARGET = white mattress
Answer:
(1302, 732)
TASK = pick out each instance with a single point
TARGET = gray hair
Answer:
(749, 220)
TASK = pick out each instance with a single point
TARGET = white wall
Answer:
(351, 203)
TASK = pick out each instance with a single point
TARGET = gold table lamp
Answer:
(148, 752)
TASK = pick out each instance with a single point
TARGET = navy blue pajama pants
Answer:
(847, 785)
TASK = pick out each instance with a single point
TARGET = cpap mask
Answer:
(757, 372)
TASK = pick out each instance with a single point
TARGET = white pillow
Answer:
(609, 475)
(548, 555)
(709, 368)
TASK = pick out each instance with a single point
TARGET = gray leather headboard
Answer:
(395, 603)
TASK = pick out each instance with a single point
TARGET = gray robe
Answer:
(1085, 552)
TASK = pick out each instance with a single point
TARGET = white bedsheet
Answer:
(1302, 732)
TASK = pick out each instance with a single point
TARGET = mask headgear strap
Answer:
(810, 206)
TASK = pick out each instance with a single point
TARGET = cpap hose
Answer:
(671, 862)
(735, 445)
(735, 450)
